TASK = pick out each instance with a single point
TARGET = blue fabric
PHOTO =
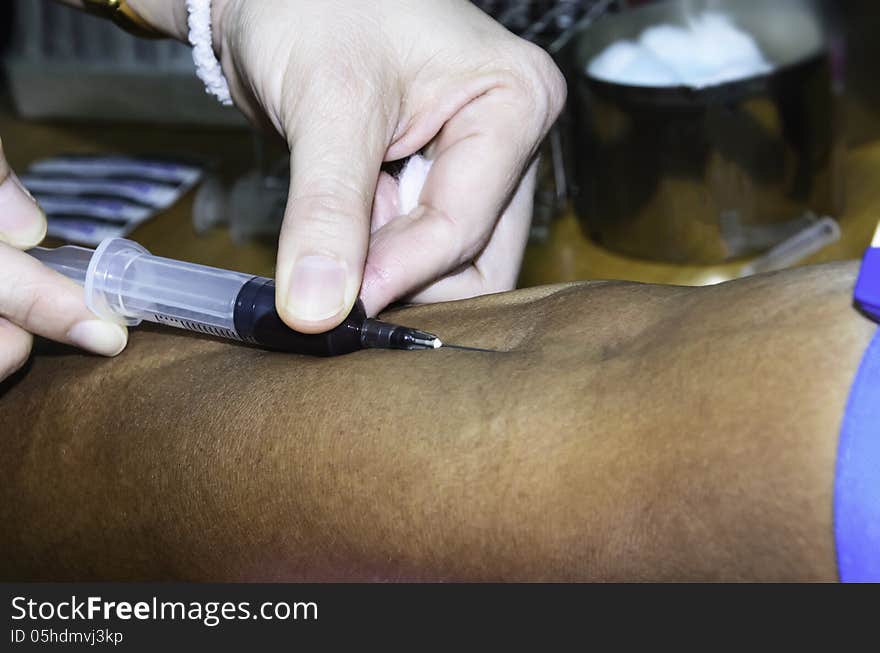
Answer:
(867, 293)
(857, 483)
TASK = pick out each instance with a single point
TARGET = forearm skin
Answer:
(631, 433)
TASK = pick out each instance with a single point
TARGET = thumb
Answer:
(22, 223)
(335, 164)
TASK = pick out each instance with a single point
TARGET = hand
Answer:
(33, 298)
(351, 84)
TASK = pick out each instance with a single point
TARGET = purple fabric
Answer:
(857, 482)
(867, 294)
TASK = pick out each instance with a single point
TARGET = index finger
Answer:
(479, 158)
(46, 303)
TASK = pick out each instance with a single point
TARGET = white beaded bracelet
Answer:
(201, 39)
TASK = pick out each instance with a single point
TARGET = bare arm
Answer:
(631, 432)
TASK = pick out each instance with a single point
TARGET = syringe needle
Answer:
(463, 348)
(424, 340)
(415, 339)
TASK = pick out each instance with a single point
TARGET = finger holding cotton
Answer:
(401, 78)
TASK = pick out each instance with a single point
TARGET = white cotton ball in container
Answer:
(648, 70)
(723, 52)
(626, 62)
(671, 44)
(710, 50)
(612, 60)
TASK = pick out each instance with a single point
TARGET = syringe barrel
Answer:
(125, 280)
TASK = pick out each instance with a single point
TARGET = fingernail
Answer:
(99, 337)
(21, 220)
(317, 288)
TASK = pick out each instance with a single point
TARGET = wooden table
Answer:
(565, 256)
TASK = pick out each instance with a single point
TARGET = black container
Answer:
(704, 175)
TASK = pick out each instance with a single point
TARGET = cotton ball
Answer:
(629, 63)
(710, 50)
(723, 52)
(411, 181)
(648, 70)
(717, 34)
(613, 59)
(671, 44)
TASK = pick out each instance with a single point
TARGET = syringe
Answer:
(123, 281)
